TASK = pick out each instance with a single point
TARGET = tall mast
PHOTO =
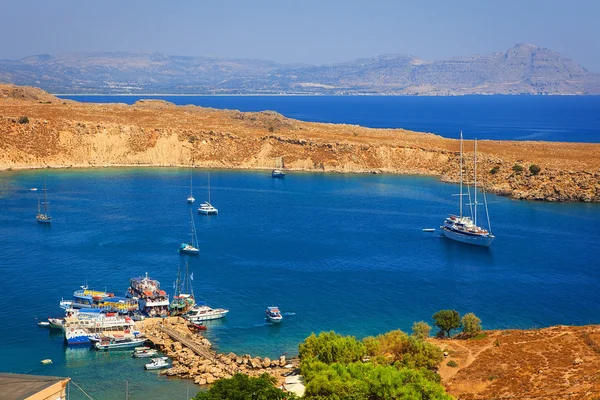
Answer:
(209, 187)
(461, 174)
(45, 202)
(191, 186)
(475, 178)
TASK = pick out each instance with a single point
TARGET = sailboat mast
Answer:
(45, 201)
(191, 186)
(209, 187)
(475, 178)
(461, 175)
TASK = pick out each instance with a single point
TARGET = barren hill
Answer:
(61, 133)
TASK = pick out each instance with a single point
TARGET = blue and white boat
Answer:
(278, 172)
(118, 343)
(192, 246)
(85, 298)
(207, 208)
(88, 324)
(273, 314)
(461, 227)
(153, 301)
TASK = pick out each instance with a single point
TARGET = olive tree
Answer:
(447, 320)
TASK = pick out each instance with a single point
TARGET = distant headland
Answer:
(42, 131)
(522, 69)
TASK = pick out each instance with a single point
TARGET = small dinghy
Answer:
(46, 361)
(44, 324)
(428, 229)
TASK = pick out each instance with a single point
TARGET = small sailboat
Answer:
(461, 227)
(43, 218)
(190, 198)
(206, 208)
(278, 172)
(273, 314)
(192, 246)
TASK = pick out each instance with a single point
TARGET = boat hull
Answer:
(117, 346)
(44, 220)
(207, 212)
(207, 316)
(476, 240)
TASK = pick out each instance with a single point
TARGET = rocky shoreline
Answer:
(42, 131)
(194, 359)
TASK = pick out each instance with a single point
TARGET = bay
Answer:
(334, 252)
(545, 118)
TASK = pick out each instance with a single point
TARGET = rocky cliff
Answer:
(38, 131)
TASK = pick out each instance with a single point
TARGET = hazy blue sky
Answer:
(303, 31)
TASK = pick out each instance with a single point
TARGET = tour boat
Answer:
(153, 301)
(89, 323)
(158, 363)
(43, 218)
(204, 313)
(461, 227)
(143, 352)
(183, 298)
(206, 208)
(191, 247)
(273, 314)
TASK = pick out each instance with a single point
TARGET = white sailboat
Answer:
(278, 172)
(191, 198)
(206, 208)
(43, 218)
(461, 227)
(192, 246)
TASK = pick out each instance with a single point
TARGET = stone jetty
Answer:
(193, 358)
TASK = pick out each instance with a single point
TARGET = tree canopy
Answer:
(447, 320)
(243, 387)
(471, 324)
(330, 347)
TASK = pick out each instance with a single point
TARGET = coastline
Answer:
(155, 133)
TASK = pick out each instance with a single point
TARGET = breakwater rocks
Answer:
(57, 133)
(194, 359)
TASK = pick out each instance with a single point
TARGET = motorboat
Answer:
(144, 352)
(44, 324)
(56, 323)
(278, 173)
(273, 314)
(158, 363)
(204, 313)
(117, 343)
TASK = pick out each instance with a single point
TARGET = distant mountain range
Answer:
(523, 69)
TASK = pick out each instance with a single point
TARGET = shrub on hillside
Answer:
(471, 325)
(23, 120)
(420, 330)
(534, 169)
(517, 168)
(398, 348)
(495, 170)
(242, 386)
(330, 347)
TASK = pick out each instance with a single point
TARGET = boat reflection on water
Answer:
(78, 356)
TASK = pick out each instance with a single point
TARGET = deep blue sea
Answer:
(333, 251)
(548, 118)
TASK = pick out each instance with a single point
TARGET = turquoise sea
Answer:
(333, 251)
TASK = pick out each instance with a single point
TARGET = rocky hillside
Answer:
(38, 131)
(524, 69)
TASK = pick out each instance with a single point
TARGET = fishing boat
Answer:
(183, 298)
(202, 312)
(158, 363)
(152, 300)
(463, 228)
(192, 246)
(273, 314)
(143, 352)
(207, 208)
(118, 343)
(191, 198)
(43, 218)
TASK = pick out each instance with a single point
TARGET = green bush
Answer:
(495, 170)
(534, 169)
(517, 168)
(447, 320)
(23, 120)
(396, 347)
(471, 325)
(329, 347)
(243, 387)
(452, 364)
(420, 330)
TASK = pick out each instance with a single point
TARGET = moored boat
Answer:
(207, 208)
(273, 314)
(118, 343)
(192, 246)
(183, 298)
(90, 323)
(158, 363)
(204, 313)
(43, 217)
(143, 352)
(462, 228)
(153, 301)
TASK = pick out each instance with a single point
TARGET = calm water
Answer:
(341, 252)
(548, 118)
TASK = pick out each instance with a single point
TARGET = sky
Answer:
(306, 31)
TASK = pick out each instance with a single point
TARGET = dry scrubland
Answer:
(157, 133)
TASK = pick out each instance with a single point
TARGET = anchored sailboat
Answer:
(206, 208)
(183, 298)
(278, 172)
(192, 246)
(191, 198)
(460, 227)
(43, 218)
